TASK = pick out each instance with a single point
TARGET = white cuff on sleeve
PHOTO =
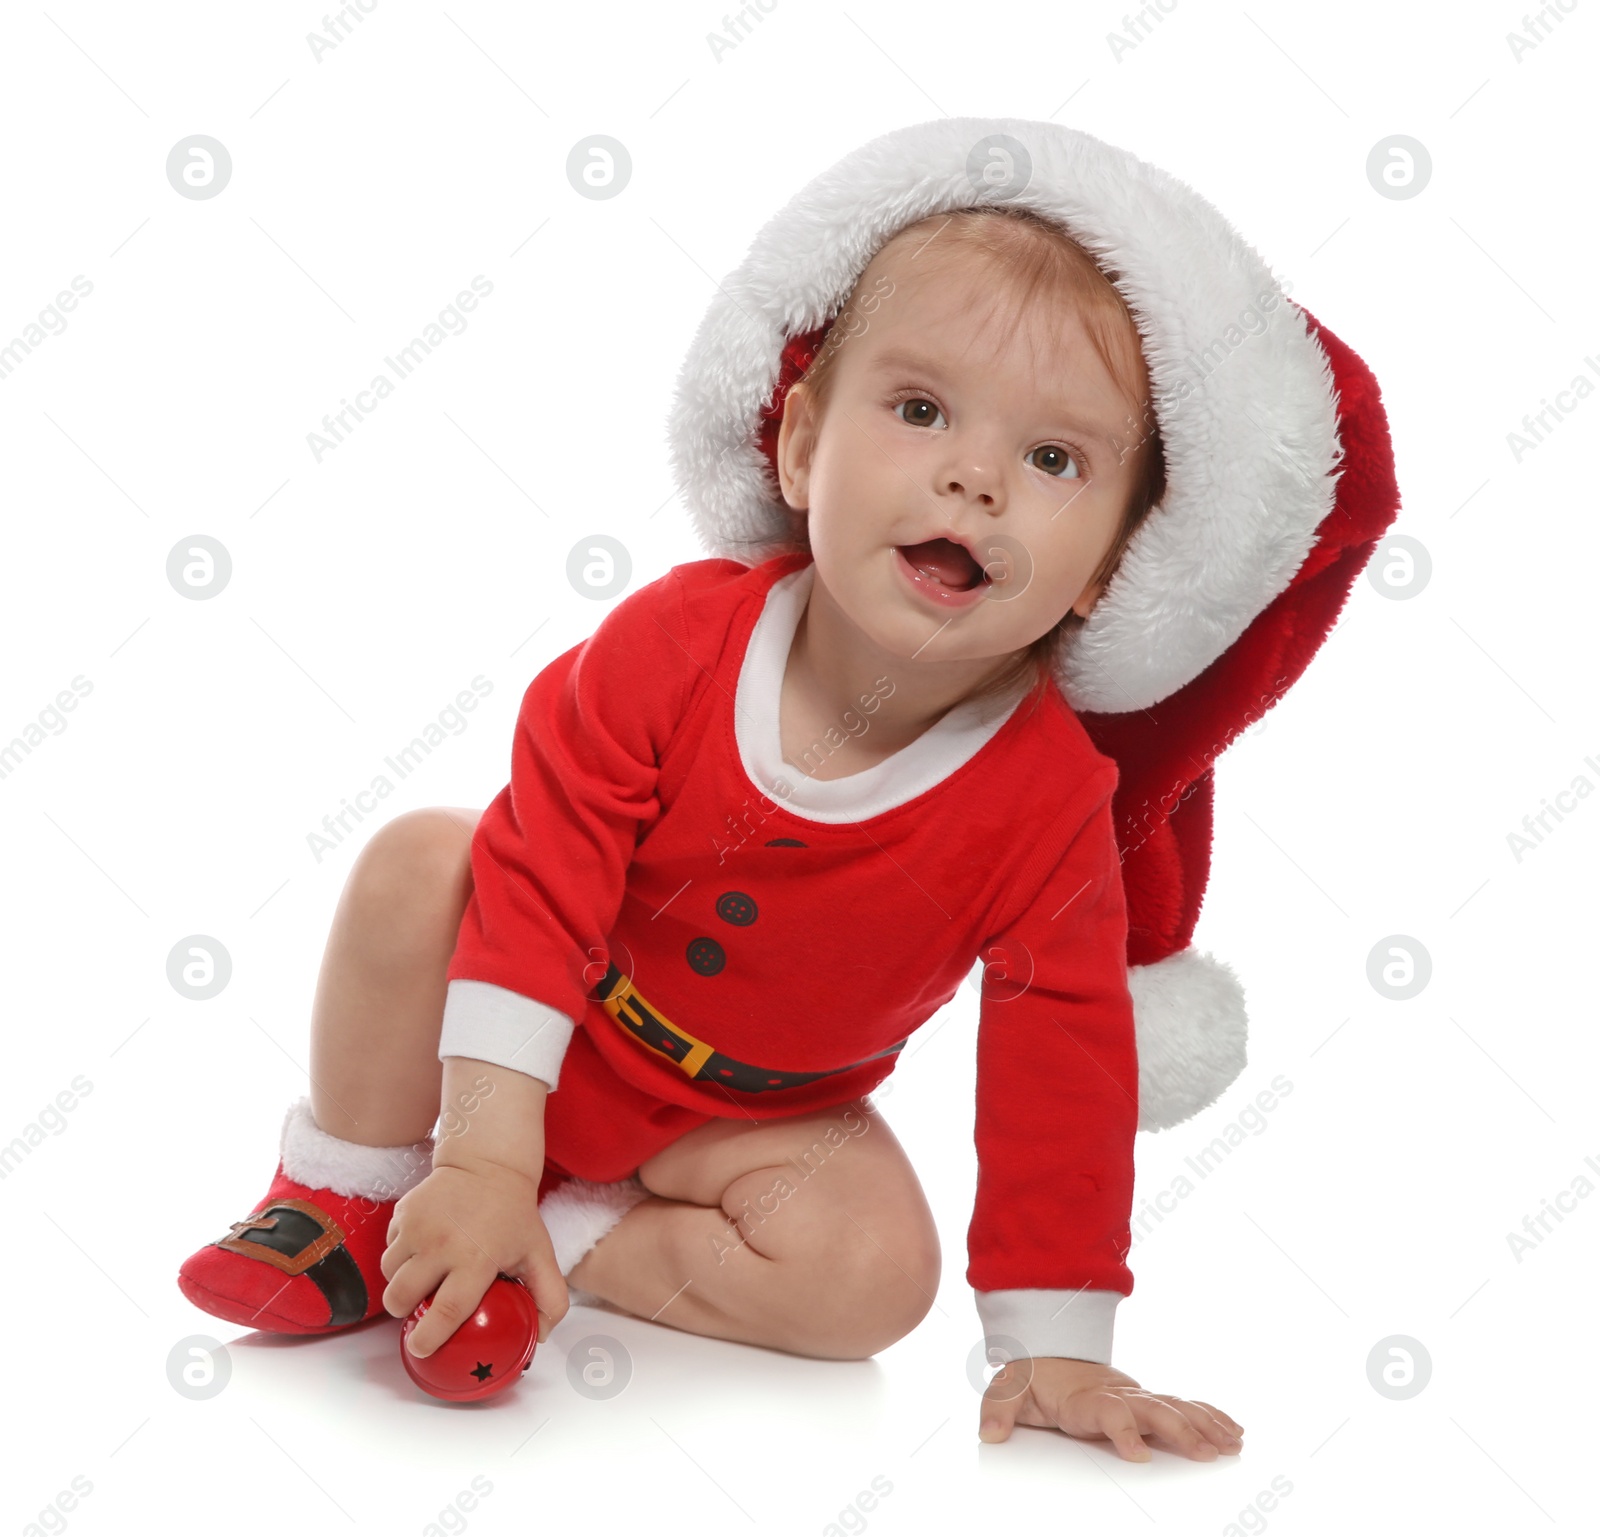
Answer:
(1077, 1324)
(494, 1024)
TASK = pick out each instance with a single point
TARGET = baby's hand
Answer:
(1100, 1403)
(452, 1235)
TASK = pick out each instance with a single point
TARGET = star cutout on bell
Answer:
(504, 1327)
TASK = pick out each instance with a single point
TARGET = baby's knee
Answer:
(417, 859)
(848, 1284)
(886, 1287)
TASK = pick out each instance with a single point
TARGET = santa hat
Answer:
(1280, 481)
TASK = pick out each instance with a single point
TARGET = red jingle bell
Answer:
(487, 1353)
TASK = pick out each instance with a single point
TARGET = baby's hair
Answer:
(1040, 261)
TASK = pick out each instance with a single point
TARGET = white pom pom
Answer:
(1189, 1018)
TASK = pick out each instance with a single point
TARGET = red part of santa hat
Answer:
(1280, 481)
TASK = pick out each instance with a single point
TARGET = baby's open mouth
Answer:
(946, 562)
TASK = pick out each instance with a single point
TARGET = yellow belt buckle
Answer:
(625, 993)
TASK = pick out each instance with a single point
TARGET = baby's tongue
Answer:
(943, 560)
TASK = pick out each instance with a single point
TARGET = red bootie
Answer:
(305, 1261)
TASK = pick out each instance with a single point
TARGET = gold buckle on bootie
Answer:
(328, 1238)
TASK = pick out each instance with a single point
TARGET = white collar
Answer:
(959, 734)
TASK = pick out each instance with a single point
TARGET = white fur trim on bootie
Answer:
(578, 1214)
(325, 1162)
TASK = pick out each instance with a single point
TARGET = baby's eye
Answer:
(922, 419)
(1060, 459)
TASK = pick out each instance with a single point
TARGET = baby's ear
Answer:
(796, 437)
(1087, 599)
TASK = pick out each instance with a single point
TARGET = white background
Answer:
(368, 589)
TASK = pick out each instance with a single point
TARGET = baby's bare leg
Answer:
(809, 1234)
(375, 1069)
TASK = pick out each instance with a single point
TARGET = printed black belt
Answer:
(697, 1058)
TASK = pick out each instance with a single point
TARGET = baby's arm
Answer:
(477, 1213)
(549, 863)
(1056, 1118)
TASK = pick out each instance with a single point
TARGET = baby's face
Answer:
(935, 425)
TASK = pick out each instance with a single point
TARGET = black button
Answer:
(735, 907)
(786, 843)
(706, 956)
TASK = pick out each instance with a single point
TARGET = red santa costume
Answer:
(669, 922)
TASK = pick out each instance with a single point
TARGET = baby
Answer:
(964, 462)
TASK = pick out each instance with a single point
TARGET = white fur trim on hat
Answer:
(578, 1214)
(1248, 416)
(1190, 1025)
(325, 1162)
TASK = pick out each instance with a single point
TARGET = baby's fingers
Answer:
(1217, 1428)
(543, 1278)
(411, 1282)
(1181, 1424)
(394, 1256)
(453, 1303)
(1113, 1416)
(1001, 1399)
(1230, 1426)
